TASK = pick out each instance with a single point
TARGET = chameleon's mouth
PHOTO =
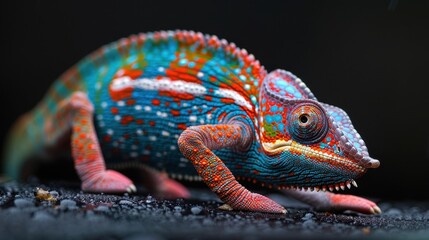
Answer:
(319, 156)
(330, 187)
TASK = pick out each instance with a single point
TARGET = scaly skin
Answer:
(194, 107)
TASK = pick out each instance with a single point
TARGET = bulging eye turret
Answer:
(308, 123)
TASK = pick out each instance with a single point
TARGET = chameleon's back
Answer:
(147, 89)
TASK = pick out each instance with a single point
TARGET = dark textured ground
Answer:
(77, 215)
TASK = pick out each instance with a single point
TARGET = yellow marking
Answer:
(277, 147)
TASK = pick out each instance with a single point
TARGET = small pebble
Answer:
(393, 212)
(426, 215)
(177, 208)
(208, 222)
(307, 216)
(196, 210)
(126, 202)
(23, 203)
(149, 199)
(68, 204)
(102, 208)
(42, 216)
(54, 194)
(309, 224)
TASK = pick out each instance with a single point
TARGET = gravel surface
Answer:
(64, 212)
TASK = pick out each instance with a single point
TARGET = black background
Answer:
(370, 59)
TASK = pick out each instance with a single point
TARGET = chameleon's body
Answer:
(196, 108)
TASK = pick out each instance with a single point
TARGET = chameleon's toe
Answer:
(342, 202)
(108, 181)
(258, 203)
(132, 189)
(376, 210)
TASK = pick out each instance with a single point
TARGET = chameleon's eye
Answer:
(307, 123)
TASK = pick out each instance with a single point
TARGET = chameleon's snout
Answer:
(371, 162)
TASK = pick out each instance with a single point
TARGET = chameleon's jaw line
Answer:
(280, 145)
(337, 187)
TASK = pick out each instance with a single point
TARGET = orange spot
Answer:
(216, 178)
(107, 138)
(132, 73)
(126, 119)
(189, 78)
(177, 95)
(121, 94)
(227, 100)
(221, 116)
(139, 121)
(213, 78)
(152, 123)
(175, 112)
(131, 101)
(114, 110)
(156, 102)
(181, 126)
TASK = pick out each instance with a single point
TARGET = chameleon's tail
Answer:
(24, 140)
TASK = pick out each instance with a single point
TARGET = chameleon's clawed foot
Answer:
(108, 181)
(342, 202)
(257, 203)
(171, 189)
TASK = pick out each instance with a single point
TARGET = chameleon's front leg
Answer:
(76, 113)
(326, 201)
(196, 144)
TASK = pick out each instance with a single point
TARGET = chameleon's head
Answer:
(309, 144)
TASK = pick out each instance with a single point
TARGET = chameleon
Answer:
(182, 105)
